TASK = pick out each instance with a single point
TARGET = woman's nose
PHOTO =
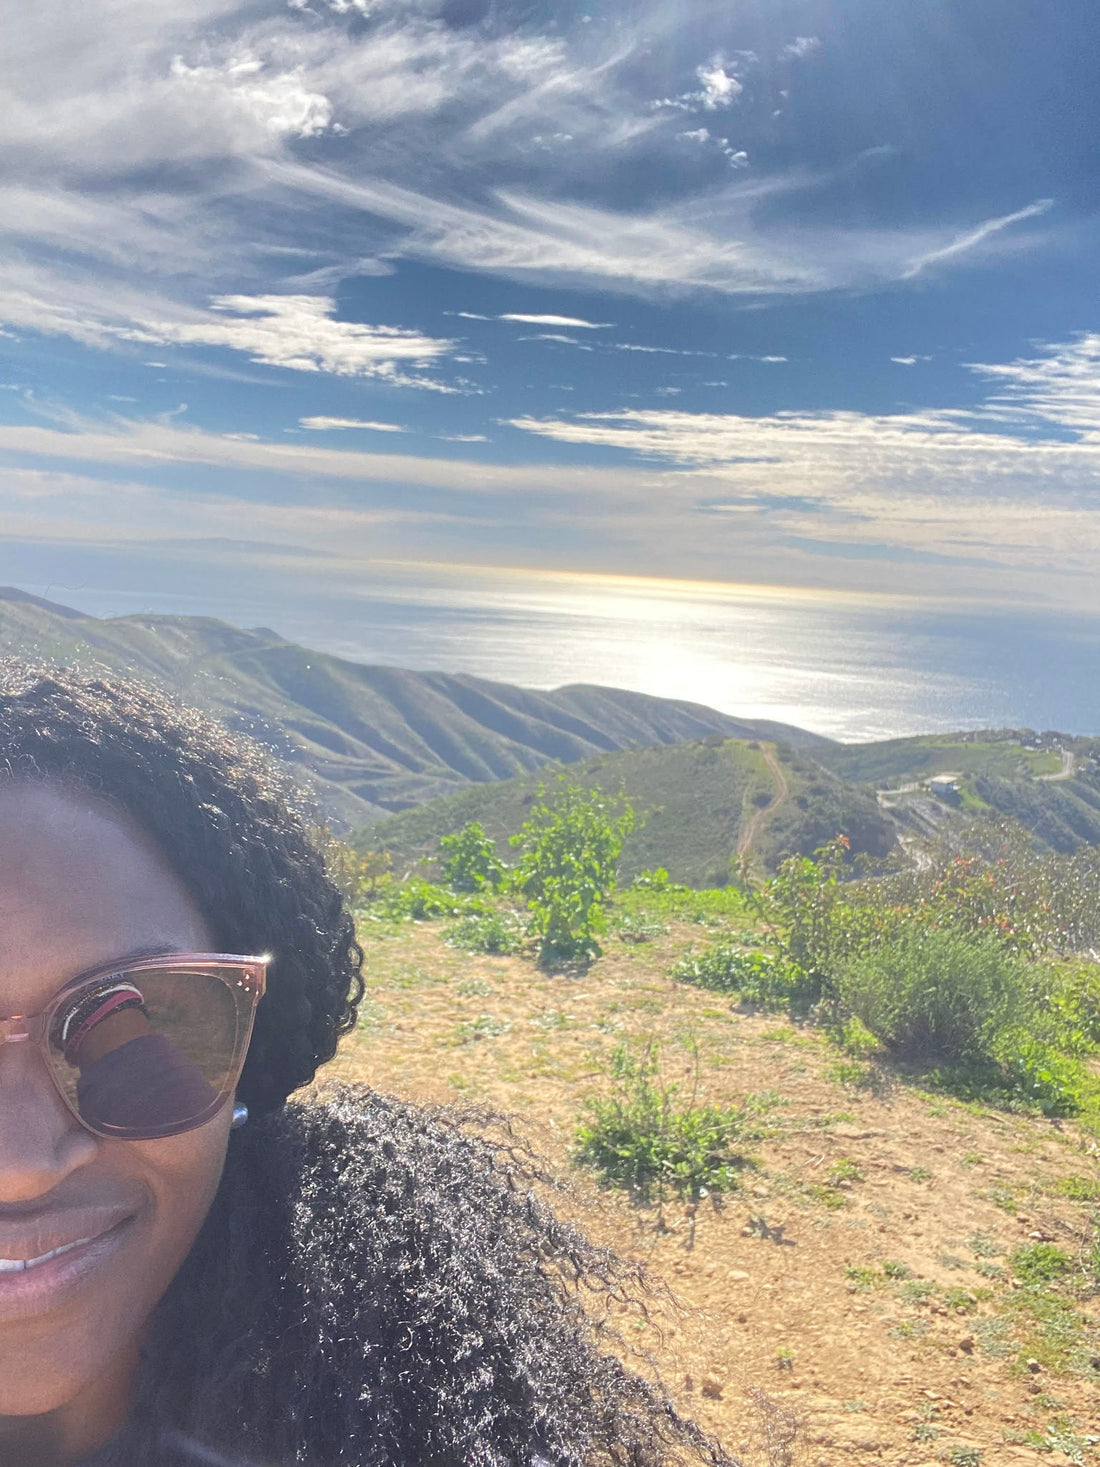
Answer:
(40, 1142)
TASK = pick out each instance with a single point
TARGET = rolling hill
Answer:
(370, 739)
(704, 802)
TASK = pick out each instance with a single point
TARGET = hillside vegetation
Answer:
(370, 739)
(700, 805)
(373, 740)
(879, 1257)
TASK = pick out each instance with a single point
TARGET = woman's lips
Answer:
(17, 1265)
(35, 1282)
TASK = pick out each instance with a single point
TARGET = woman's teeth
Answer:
(19, 1265)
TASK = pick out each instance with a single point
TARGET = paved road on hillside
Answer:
(782, 790)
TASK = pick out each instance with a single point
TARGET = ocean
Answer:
(852, 668)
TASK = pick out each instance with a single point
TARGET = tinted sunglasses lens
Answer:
(147, 1053)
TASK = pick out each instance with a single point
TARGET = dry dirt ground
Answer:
(859, 1279)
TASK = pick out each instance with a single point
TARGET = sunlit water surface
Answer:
(848, 668)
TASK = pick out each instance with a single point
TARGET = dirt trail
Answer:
(1067, 771)
(782, 790)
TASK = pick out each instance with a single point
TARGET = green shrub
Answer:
(569, 852)
(488, 932)
(416, 900)
(757, 978)
(472, 862)
(935, 995)
(643, 1137)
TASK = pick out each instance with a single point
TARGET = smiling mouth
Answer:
(21, 1265)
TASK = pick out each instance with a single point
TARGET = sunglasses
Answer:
(151, 1048)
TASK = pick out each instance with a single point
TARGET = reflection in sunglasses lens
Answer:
(146, 1052)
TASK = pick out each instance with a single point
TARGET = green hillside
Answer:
(894, 761)
(1049, 783)
(370, 739)
(702, 800)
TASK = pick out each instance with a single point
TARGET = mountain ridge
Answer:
(369, 738)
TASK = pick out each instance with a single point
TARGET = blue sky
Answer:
(792, 293)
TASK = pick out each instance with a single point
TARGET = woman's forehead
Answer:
(80, 884)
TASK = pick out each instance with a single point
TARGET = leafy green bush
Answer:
(416, 900)
(758, 978)
(569, 852)
(488, 932)
(472, 862)
(643, 1137)
(936, 995)
(966, 1002)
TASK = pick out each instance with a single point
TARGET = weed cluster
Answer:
(487, 932)
(759, 979)
(949, 969)
(644, 1137)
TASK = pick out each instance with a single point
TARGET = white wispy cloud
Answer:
(801, 46)
(269, 129)
(574, 322)
(295, 332)
(558, 337)
(970, 238)
(321, 424)
(1061, 387)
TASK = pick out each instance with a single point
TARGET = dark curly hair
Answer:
(222, 813)
(376, 1283)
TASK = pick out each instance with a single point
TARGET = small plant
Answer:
(893, 1268)
(1002, 1197)
(844, 1172)
(853, 1075)
(961, 1301)
(965, 1457)
(983, 1247)
(637, 929)
(861, 1280)
(784, 1358)
(550, 1019)
(917, 1291)
(485, 1026)
(644, 1137)
(1040, 1263)
(1078, 1189)
(486, 932)
(474, 988)
(919, 1174)
(471, 862)
(569, 851)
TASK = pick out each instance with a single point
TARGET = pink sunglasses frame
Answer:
(245, 977)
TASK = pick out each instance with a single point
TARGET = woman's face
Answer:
(80, 886)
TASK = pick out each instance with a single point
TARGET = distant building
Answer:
(946, 786)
